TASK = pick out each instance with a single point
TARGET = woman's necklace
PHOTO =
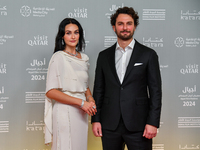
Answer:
(71, 53)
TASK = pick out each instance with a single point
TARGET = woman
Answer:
(66, 124)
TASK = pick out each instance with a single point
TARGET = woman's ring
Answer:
(93, 107)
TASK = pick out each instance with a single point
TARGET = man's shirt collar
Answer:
(130, 46)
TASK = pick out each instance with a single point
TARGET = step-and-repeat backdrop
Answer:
(27, 35)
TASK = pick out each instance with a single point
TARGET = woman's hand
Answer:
(89, 108)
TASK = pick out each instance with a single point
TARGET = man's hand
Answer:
(150, 131)
(96, 128)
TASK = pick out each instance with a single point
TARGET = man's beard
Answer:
(124, 37)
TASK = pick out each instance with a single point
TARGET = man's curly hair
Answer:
(125, 10)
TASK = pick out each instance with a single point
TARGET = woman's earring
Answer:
(63, 43)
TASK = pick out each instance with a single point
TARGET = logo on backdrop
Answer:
(190, 90)
(4, 126)
(2, 68)
(154, 14)
(35, 126)
(34, 97)
(112, 9)
(109, 41)
(158, 146)
(27, 11)
(39, 40)
(37, 70)
(189, 96)
(153, 42)
(163, 67)
(189, 146)
(190, 69)
(3, 11)
(190, 15)
(187, 42)
(188, 122)
(3, 98)
(4, 38)
(1, 92)
(179, 42)
(78, 13)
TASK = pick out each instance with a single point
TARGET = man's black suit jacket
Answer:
(138, 99)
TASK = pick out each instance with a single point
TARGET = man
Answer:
(127, 89)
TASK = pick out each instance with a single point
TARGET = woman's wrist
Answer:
(91, 99)
(82, 103)
(88, 97)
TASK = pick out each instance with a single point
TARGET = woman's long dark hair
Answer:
(59, 45)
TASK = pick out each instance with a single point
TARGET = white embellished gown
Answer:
(66, 126)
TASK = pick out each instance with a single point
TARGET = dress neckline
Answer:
(73, 56)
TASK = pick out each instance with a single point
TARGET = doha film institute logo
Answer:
(25, 11)
(179, 42)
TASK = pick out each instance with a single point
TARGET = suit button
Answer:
(122, 88)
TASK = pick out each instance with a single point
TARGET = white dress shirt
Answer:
(122, 57)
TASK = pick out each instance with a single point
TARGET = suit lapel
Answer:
(134, 56)
(111, 61)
